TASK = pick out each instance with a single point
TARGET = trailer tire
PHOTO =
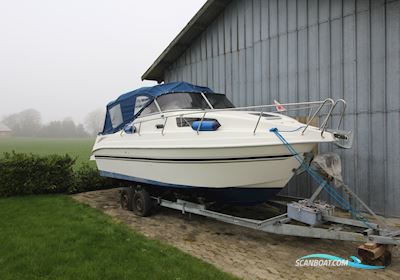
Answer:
(142, 203)
(126, 198)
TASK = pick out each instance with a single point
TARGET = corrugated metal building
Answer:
(256, 51)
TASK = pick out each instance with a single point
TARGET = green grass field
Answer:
(80, 148)
(54, 237)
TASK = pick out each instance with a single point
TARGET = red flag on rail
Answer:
(279, 106)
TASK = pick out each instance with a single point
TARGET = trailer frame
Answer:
(377, 238)
(282, 224)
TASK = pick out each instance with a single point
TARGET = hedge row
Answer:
(25, 174)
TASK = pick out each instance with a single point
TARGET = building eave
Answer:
(203, 18)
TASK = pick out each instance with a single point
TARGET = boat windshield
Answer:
(185, 100)
(219, 101)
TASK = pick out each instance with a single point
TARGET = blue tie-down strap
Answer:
(209, 125)
(328, 188)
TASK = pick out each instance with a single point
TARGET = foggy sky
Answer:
(67, 58)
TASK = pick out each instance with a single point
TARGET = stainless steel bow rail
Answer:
(332, 107)
(327, 104)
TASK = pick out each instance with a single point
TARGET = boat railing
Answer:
(328, 103)
(332, 107)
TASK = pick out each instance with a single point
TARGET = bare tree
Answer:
(94, 121)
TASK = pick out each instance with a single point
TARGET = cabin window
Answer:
(185, 100)
(140, 102)
(116, 116)
(150, 109)
(182, 100)
(219, 101)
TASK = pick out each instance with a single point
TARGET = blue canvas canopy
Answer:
(123, 110)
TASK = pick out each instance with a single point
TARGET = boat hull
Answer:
(245, 167)
(235, 158)
(232, 196)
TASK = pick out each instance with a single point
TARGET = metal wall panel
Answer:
(393, 104)
(265, 66)
(257, 74)
(299, 50)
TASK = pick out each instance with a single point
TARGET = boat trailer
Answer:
(304, 218)
(308, 220)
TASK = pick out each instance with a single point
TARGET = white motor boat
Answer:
(182, 137)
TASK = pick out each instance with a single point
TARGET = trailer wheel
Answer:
(141, 203)
(126, 197)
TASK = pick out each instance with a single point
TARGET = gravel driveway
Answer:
(246, 253)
